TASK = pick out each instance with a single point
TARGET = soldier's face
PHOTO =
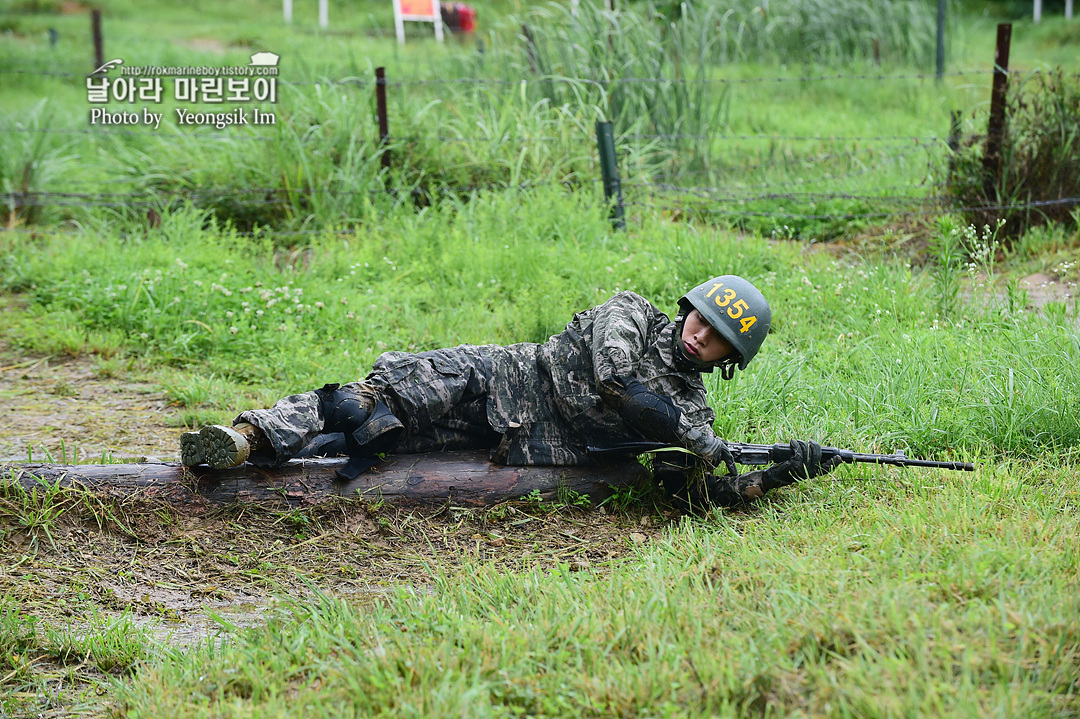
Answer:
(700, 340)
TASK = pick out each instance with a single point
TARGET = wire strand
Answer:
(859, 215)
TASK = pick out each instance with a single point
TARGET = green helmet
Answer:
(735, 309)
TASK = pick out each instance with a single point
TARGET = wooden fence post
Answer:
(95, 30)
(384, 121)
(995, 129)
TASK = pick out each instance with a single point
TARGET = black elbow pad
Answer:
(654, 415)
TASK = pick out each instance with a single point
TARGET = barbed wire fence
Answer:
(798, 196)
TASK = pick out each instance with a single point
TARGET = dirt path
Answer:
(59, 405)
(1043, 289)
(172, 572)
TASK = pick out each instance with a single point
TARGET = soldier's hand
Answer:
(705, 444)
(805, 463)
(720, 454)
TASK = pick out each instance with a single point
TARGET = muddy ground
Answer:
(59, 405)
(173, 570)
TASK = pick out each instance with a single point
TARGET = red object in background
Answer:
(467, 17)
(458, 17)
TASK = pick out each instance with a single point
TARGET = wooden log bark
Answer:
(461, 478)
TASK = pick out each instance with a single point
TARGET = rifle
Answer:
(759, 454)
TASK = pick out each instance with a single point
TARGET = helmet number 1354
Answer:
(734, 309)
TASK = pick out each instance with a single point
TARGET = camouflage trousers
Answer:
(439, 397)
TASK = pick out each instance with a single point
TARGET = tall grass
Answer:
(656, 73)
(864, 355)
(720, 33)
(320, 166)
(641, 72)
(31, 160)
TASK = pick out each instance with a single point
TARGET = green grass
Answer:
(871, 592)
(40, 659)
(912, 593)
(858, 353)
(921, 596)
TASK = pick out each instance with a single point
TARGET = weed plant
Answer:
(948, 253)
(1040, 159)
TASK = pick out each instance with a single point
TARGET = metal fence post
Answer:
(380, 109)
(609, 171)
(995, 128)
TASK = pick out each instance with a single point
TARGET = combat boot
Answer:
(221, 447)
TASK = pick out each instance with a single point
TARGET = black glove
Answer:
(690, 490)
(654, 415)
(723, 454)
(805, 463)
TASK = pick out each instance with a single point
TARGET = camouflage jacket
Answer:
(624, 339)
(550, 401)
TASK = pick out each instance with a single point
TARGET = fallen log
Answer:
(461, 478)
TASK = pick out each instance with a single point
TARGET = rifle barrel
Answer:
(902, 461)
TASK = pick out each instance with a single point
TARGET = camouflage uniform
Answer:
(528, 403)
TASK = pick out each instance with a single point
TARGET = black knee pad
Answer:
(367, 426)
(325, 445)
(343, 410)
(377, 435)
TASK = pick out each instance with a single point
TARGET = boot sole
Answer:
(216, 446)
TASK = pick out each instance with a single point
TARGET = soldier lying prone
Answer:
(619, 372)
